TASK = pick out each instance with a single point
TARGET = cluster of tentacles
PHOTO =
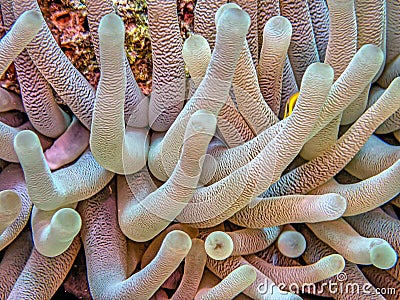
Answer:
(229, 183)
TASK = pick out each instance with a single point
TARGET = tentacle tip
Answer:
(26, 140)
(112, 28)
(219, 245)
(32, 19)
(10, 202)
(322, 69)
(233, 18)
(382, 255)
(179, 241)
(291, 243)
(67, 220)
(194, 42)
(334, 205)
(203, 122)
(371, 53)
(338, 263)
(278, 26)
(223, 8)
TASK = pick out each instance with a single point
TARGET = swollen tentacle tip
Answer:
(67, 220)
(232, 17)
(203, 122)
(336, 263)
(178, 241)
(382, 255)
(333, 205)
(321, 70)
(10, 208)
(26, 140)
(9, 201)
(278, 27)
(371, 53)
(193, 44)
(112, 28)
(32, 20)
(291, 243)
(219, 245)
(223, 8)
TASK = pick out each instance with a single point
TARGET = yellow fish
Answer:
(290, 105)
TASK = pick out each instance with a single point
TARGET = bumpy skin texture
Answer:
(319, 170)
(118, 149)
(197, 55)
(49, 191)
(364, 20)
(247, 241)
(136, 104)
(391, 71)
(12, 178)
(324, 268)
(367, 194)
(195, 262)
(43, 275)
(382, 280)
(141, 219)
(253, 178)
(105, 248)
(76, 92)
(274, 211)
(250, 6)
(342, 46)
(392, 30)
(276, 40)
(231, 30)
(302, 50)
(360, 250)
(45, 116)
(268, 290)
(316, 250)
(13, 262)
(359, 71)
(23, 31)
(249, 99)
(233, 284)
(320, 20)
(375, 157)
(204, 19)
(391, 124)
(253, 166)
(168, 90)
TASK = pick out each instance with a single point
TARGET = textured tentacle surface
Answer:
(49, 191)
(119, 150)
(232, 27)
(12, 178)
(42, 275)
(168, 91)
(367, 194)
(107, 269)
(13, 262)
(324, 167)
